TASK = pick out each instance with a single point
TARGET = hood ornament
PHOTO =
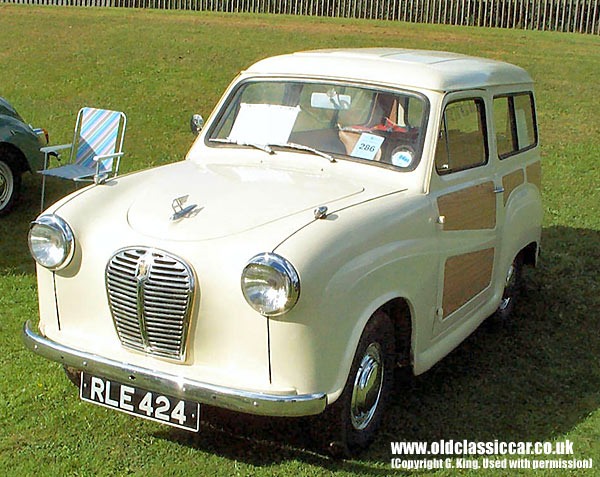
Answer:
(320, 212)
(180, 212)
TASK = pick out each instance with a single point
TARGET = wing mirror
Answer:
(196, 124)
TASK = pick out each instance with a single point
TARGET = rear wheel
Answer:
(512, 289)
(354, 418)
(10, 182)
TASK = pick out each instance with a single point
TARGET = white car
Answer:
(341, 213)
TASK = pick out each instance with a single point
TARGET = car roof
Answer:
(434, 70)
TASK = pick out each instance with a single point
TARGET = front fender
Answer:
(21, 136)
(350, 265)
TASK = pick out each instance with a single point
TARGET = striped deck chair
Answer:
(97, 142)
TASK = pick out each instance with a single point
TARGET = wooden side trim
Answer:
(472, 208)
(534, 174)
(511, 181)
(465, 276)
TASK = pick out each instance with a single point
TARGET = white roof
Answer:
(435, 70)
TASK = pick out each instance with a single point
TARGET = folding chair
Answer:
(97, 141)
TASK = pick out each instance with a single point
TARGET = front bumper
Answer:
(178, 386)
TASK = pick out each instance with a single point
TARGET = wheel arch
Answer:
(530, 254)
(15, 158)
(400, 313)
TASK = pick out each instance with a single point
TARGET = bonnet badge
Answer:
(180, 211)
(144, 266)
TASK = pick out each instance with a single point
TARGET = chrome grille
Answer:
(150, 293)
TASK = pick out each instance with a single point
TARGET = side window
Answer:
(525, 119)
(514, 120)
(462, 143)
(504, 124)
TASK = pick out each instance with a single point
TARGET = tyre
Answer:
(352, 421)
(10, 182)
(512, 290)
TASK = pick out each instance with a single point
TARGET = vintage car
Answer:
(341, 213)
(19, 152)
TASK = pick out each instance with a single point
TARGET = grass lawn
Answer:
(538, 380)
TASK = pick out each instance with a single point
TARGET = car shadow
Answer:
(532, 379)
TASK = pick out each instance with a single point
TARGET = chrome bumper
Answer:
(234, 399)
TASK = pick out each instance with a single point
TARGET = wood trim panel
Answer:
(465, 276)
(534, 174)
(511, 181)
(472, 208)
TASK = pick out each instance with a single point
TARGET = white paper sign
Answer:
(367, 146)
(264, 123)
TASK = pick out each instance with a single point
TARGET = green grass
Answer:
(538, 380)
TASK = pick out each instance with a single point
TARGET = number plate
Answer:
(139, 402)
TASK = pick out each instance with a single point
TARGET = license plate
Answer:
(139, 402)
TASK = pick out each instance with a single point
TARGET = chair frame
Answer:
(98, 177)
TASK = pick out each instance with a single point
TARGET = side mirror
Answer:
(196, 124)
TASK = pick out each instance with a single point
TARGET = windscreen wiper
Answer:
(262, 147)
(301, 147)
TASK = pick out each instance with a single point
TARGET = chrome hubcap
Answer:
(367, 387)
(508, 285)
(6, 184)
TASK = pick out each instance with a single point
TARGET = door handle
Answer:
(498, 190)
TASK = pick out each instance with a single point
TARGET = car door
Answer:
(465, 192)
(516, 137)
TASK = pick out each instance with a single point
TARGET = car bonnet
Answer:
(188, 201)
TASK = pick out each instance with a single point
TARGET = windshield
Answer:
(346, 121)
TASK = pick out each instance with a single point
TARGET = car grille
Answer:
(150, 293)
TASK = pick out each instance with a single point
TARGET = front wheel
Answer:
(10, 185)
(355, 417)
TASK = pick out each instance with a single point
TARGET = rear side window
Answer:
(462, 143)
(514, 120)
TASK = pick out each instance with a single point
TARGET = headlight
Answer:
(51, 242)
(270, 284)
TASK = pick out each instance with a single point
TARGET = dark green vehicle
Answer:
(19, 152)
